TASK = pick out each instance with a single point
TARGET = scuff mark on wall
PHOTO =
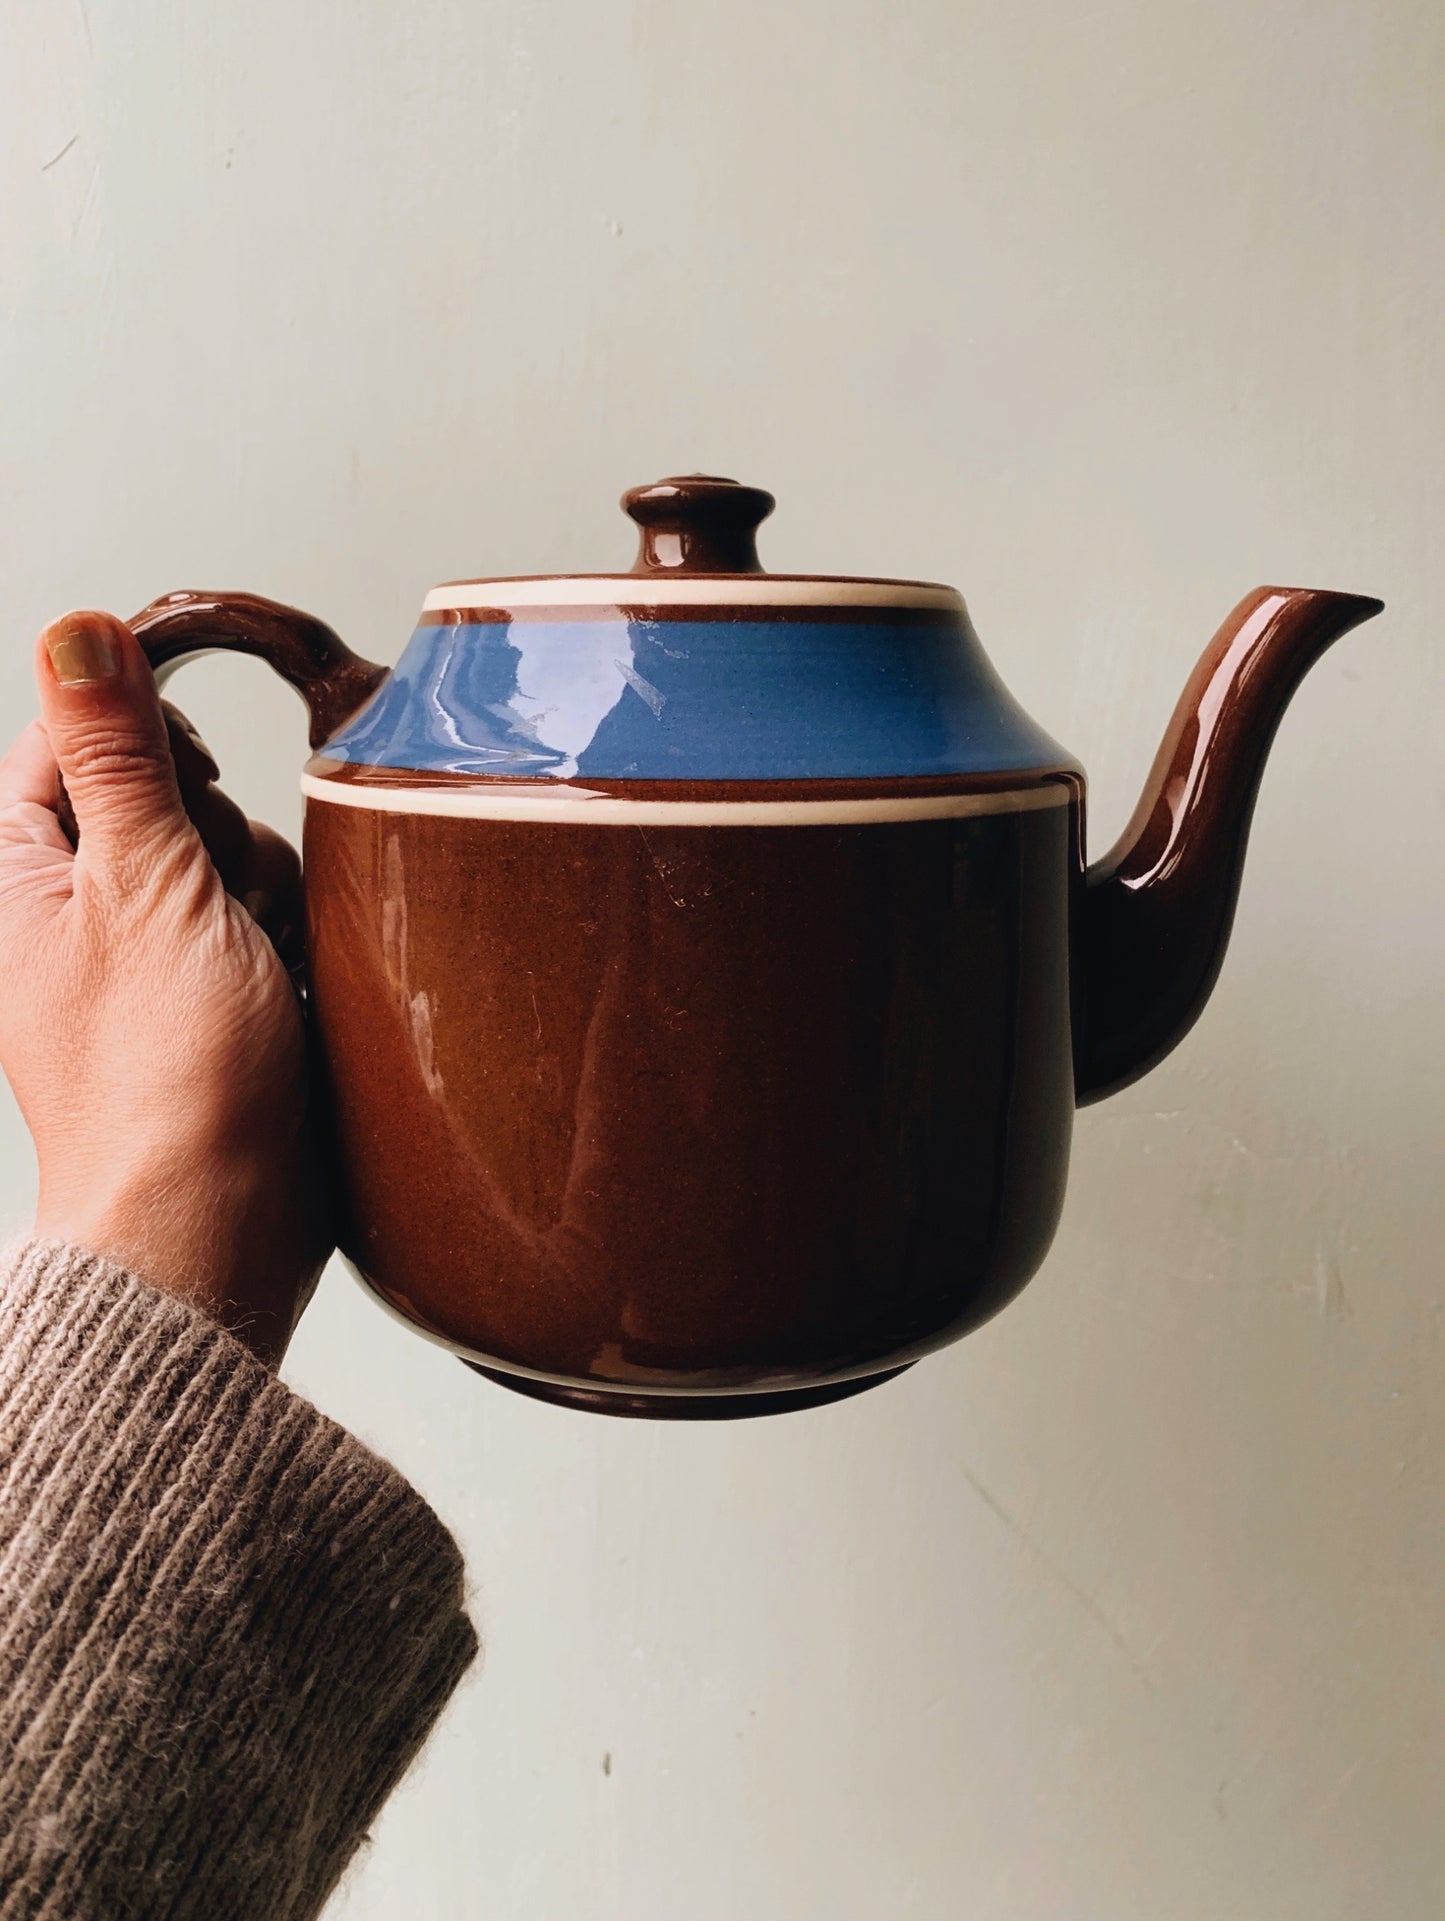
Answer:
(55, 159)
(1065, 1580)
(1332, 1303)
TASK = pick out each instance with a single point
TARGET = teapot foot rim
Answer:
(683, 1407)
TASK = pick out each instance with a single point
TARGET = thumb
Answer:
(103, 715)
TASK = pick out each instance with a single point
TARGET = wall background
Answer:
(1132, 1605)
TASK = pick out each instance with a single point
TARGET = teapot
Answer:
(704, 962)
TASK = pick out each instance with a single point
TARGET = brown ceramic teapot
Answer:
(705, 963)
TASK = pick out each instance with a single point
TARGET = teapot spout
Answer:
(1155, 913)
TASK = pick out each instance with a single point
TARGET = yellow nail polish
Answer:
(80, 650)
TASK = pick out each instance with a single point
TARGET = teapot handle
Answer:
(332, 680)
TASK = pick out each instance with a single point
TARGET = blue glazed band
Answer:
(696, 700)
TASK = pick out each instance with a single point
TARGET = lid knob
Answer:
(698, 524)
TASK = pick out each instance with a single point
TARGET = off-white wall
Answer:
(1131, 1606)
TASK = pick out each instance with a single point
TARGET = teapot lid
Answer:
(695, 666)
(698, 547)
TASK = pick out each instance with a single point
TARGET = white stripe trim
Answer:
(575, 806)
(745, 590)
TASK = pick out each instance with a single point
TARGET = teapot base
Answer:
(683, 1407)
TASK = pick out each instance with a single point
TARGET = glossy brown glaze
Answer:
(1156, 912)
(331, 679)
(698, 524)
(719, 1110)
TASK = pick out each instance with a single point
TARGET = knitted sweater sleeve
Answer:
(226, 1627)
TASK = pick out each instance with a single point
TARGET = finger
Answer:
(103, 716)
(222, 826)
(257, 866)
(29, 785)
(28, 774)
(195, 771)
(225, 833)
(195, 763)
(224, 829)
(270, 891)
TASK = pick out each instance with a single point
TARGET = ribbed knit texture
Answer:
(225, 1626)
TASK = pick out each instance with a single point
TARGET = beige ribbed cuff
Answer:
(225, 1625)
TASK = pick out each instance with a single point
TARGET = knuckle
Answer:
(174, 871)
(113, 758)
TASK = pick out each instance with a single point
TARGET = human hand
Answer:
(148, 1024)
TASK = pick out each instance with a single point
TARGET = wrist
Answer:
(217, 1230)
